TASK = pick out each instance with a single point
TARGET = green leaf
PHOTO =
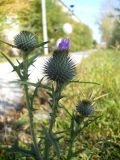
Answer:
(42, 44)
(59, 132)
(29, 61)
(36, 85)
(52, 139)
(60, 97)
(8, 44)
(66, 110)
(16, 149)
(89, 121)
(21, 82)
(15, 68)
(50, 94)
(84, 82)
(74, 154)
(32, 59)
(60, 137)
(50, 104)
(18, 61)
(56, 146)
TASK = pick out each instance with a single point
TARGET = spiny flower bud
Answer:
(26, 41)
(85, 108)
(60, 67)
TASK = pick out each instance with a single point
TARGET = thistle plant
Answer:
(60, 71)
(85, 108)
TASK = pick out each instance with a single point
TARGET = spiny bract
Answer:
(26, 41)
(85, 108)
(59, 67)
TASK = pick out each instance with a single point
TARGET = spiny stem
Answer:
(28, 104)
(55, 100)
(75, 130)
(72, 138)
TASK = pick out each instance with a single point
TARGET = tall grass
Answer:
(102, 67)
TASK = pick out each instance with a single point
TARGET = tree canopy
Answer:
(110, 24)
(30, 18)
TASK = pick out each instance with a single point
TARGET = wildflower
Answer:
(85, 108)
(60, 67)
(64, 44)
(26, 41)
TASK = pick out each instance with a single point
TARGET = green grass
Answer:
(102, 67)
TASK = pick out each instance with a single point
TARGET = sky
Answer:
(88, 11)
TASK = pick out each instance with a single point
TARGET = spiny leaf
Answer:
(50, 94)
(16, 149)
(8, 44)
(50, 104)
(8, 60)
(73, 81)
(32, 59)
(15, 68)
(66, 110)
(20, 82)
(18, 61)
(60, 97)
(60, 137)
(59, 132)
(29, 61)
(55, 144)
(42, 44)
(52, 139)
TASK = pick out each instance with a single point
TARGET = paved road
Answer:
(10, 93)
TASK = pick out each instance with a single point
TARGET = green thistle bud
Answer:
(59, 67)
(85, 108)
(26, 41)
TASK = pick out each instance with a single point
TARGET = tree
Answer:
(30, 18)
(115, 38)
(107, 20)
(110, 24)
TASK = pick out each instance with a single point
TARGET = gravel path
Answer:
(11, 93)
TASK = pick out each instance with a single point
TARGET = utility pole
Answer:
(44, 25)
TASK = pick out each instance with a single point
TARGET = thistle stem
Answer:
(53, 116)
(55, 100)
(69, 155)
(30, 114)
(75, 130)
(72, 138)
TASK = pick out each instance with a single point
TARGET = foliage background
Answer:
(110, 23)
(100, 67)
(29, 15)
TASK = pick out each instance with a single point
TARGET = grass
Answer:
(102, 67)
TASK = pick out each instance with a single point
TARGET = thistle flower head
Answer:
(26, 41)
(85, 108)
(64, 44)
(60, 68)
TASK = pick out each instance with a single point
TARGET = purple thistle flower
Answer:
(64, 44)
